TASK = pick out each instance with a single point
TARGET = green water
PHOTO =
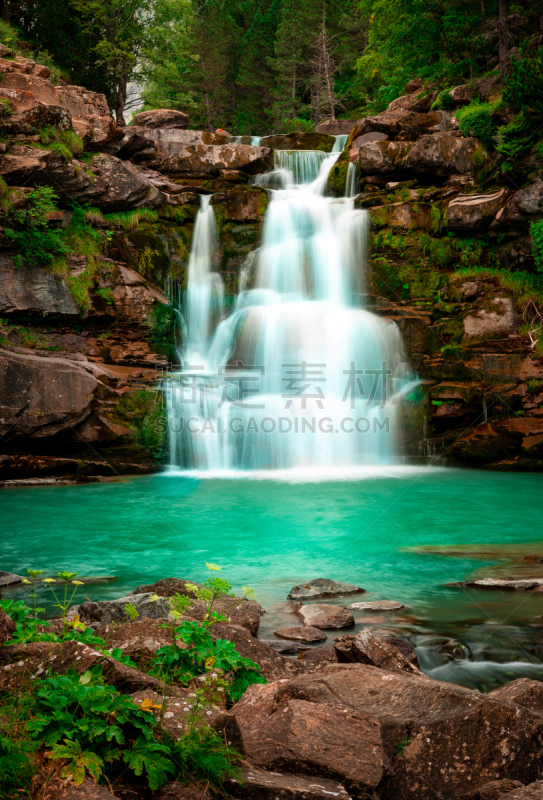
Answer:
(273, 534)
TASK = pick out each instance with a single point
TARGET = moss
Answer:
(6, 109)
(144, 412)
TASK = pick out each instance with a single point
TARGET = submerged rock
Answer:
(301, 633)
(319, 588)
(286, 647)
(525, 585)
(325, 617)
(378, 605)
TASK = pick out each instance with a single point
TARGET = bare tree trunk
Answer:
(207, 99)
(503, 52)
(120, 101)
(293, 110)
(328, 71)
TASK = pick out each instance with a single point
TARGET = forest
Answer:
(261, 66)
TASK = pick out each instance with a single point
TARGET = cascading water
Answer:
(299, 375)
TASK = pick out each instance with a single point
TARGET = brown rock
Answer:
(299, 141)
(407, 650)
(414, 85)
(32, 289)
(412, 102)
(242, 204)
(322, 740)
(534, 791)
(381, 157)
(368, 648)
(172, 708)
(522, 692)
(161, 118)
(325, 617)
(378, 605)
(336, 127)
(320, 588)
(493, 790)
(460, 95)
(320, 655)
(42, 396)
(22, 663)
(273, 665)
(399, 122)
(177, 791)
(259, 784)
(474, 211)
(443, 723)
(302, 633)
(441, 154)
(483, 445)
(7, 627)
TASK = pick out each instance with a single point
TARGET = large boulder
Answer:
(299, 141)
(118, 186)
(450, 737)
(474, 211)
(328, 741)
(381, 156)
(443, 154)
(526, 204)
(336, 127)
(498, 318)
(164, 118)
(31, 289)
(399, 122)
(108, 611)
(523, 692)
(493, 790)
(301, 633)
(319, 588)
(42, 396)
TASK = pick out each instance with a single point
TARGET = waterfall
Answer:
(299, 374)
(255, 141)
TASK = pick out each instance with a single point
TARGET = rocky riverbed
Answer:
(359, 721)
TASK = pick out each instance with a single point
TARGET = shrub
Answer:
(524, 86)
(36, 242)
(476, 119)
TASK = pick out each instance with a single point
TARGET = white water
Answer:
(299, 375)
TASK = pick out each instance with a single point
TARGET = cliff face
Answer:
(86, 321)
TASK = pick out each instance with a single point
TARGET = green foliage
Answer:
(36, 242)
(203, 756)
(91, 725)
(524, 85)
(515, 137)
(6, 109)
(443, 100)
(476, 119)
(65, 143)
(536, 233)
(128, 220)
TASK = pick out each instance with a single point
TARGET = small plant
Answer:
(536, 233)
(64, 602)
(204, 654)
(6, 109)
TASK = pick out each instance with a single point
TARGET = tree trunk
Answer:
(503, 53)
(293, 108)
(207, 99)
(6, 10)
(120, 101)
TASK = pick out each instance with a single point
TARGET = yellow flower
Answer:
(48, 580)
(213, 567)
(35, 573)
(154, 598)
(25, 581)
(77, 583)
(147, 705)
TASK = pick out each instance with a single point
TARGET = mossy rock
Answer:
(300, 141)
(242, 204)
(337, 179)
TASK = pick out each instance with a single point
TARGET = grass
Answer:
(523, 285)
(130, 220)
(66, 143)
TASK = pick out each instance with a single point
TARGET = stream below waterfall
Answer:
(274, 533)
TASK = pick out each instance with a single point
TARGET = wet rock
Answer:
(483, 444)
(299, 141)
(378, 605)
(285, 647)
(368, 648)
(319, 588)
(302, 633)
(320, 655)
(499, 319)
(10, 578)
(474, 212)
(524, 585)
(493, 790)
(42, 396)
(273, 665)
(407, 650)
(22, 663)
(30, 289)
(522, 692)
(161, 118)
(325, 617)
(259, 784)
(241, 204)
(7, 627)
(534, 791)
(326, 741)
